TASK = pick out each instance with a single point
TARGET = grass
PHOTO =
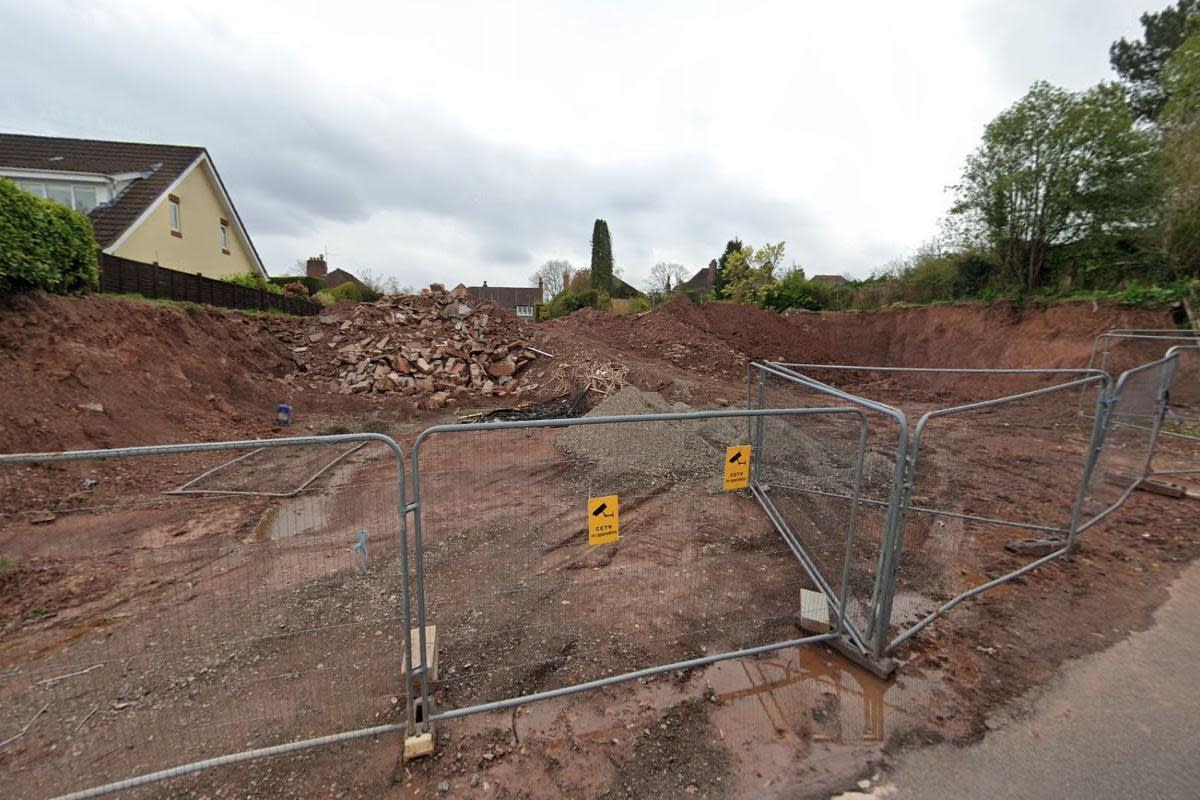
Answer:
(5, 563)
(184, 306)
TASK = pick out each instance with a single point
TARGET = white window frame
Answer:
(524, 311)
(223, 236)
(37, 183)
(175, 215)
(42, 189)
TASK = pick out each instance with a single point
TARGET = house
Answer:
(154, 203)
(581, 280)
(316, 267)
(703, 281)
(829, 280)
(521, 300)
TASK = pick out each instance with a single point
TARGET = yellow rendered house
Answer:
(154, 203)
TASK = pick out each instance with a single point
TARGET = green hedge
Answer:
(566, 302)
(44, 245)
(253, 280)
(314, 284)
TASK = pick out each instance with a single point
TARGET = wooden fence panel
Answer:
(121, 276)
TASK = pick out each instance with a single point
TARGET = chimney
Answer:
(712, 272)
(485, 284)
(316, 267)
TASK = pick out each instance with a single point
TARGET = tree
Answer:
(602, 259)
(1055, 168)
(768, 256)
(378, 284)
(1181, 150)
(750, 273)
(664, 276)
(551, 275)
(1140, 63)
(731, 247)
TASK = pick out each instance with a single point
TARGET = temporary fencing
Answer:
(528, 599)
(149, 634)
(976, 475)
(157, 624)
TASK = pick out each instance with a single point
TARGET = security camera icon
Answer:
(736, 458)
(600, 511)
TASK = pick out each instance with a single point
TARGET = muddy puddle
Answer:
(292, 517)
(800, 714)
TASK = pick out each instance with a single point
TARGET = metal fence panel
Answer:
(998, 455)
(815, 496)
(145, 631)
(525, 607)
(986, 479)
(1121, 350)
(1132, 418)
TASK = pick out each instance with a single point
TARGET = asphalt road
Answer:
(1123, 723)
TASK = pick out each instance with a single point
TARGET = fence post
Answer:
(1099, 433)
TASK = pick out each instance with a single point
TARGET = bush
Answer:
(44, 245)
(567, 302)
(794, 291)
(253, 280)
(345, 291)
(313, 285)
(932, 279)
(295, 289)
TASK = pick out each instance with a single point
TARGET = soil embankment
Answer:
(98, 371)
(972, 334)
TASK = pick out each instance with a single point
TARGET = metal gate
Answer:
(519, 598)
(152, 630)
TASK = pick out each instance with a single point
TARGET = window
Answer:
(80, 198)
(60, 194)
(176, 223)
(33, 188)
(86, 198)
(524, 311)
(223, 236)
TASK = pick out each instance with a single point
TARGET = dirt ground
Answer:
(226, 622)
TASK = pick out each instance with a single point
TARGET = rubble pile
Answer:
(440, 347)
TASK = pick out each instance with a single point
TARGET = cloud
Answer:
(409, 142)
(1065, 42)
(312, 168)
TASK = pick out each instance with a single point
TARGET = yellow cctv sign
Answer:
(737, 467)
(604, 521)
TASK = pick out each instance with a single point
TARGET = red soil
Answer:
(95, 372)
(168, 375)
(972, 334)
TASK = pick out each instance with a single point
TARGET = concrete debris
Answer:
(436, 347)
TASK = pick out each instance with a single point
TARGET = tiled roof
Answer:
(701, 280)
(166, 163)
(507, 296)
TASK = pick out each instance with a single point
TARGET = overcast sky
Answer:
(461, 141)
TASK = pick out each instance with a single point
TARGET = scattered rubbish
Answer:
(28, 725)
(48, 681)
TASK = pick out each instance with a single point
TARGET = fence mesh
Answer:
(1132, 422)
(1118, 352)
(523, 603)
(815, 494)
(144, 630)
(987, 476)
(989, 481)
